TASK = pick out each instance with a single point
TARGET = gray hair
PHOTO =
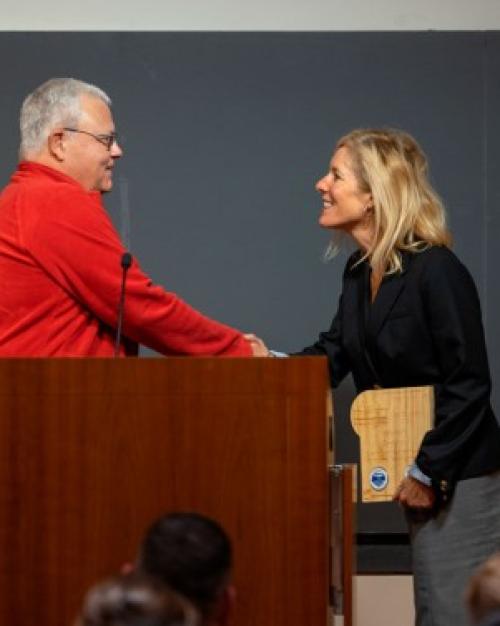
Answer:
(56, 102)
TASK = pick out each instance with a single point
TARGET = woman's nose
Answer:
(323, 184)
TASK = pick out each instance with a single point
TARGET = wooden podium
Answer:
(93, 450)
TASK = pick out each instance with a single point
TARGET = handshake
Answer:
(259, 348)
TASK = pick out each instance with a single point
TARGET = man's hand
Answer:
(414, 494)
(259, 348)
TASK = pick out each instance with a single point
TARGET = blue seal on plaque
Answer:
(378, 478)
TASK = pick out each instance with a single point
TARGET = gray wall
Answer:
(225, 135)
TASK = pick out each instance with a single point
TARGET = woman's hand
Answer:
(414, 494)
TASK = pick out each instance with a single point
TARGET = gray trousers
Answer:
(449, 546)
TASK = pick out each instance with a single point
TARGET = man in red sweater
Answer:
(60, 256)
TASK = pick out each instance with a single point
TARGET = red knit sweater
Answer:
(60, 278)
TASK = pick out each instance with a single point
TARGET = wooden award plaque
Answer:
(390, 424)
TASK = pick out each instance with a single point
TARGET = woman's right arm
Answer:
(329, 344)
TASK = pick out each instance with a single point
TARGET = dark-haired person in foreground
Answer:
(192, 554)
(60, 256)
(135, 600)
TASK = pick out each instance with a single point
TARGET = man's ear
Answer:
(56, 143)
(224, 608)
(127, 568)
(231, 598)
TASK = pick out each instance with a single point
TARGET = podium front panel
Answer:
(93, 450)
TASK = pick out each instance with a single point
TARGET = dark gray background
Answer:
(225, 135)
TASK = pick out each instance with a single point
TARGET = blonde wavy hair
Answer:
(408, 214)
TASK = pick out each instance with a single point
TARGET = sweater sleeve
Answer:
(73, 241)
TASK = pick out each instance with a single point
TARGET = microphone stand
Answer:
(126, 262)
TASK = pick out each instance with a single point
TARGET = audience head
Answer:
(483, 592)
(67, 124)
(192, 555)
(135, 600)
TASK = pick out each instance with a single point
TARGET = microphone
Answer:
(126, 262)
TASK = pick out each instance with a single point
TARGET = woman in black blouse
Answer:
(409, 315)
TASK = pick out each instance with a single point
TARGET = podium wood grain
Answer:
(91, 451)
(390, 424)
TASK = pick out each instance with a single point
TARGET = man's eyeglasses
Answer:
(106, 140)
